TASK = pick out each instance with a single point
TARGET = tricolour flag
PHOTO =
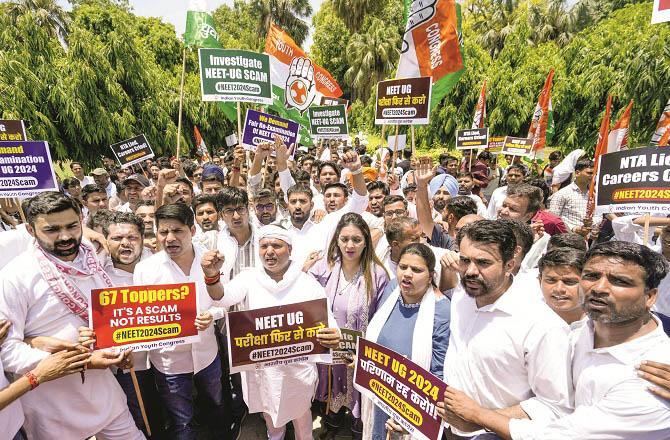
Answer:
(618, 137)
(201, 32)
(433, 44)
(200, 146)
(661, 136)
(601, 148)
(479, 120)
(542, 125)
(297, 82)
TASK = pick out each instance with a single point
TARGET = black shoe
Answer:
(236, 427)
(328, 433)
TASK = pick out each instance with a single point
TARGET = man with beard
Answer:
(133, 186)
(45, 291)
(265, 207)
(101, 178)
(524, 203)
(281, 393)
(515, 175)
(206, 211)
(125, 237)
(146, 210)
(180, 368)
(507, 350)
(618, 287)
(377, 191)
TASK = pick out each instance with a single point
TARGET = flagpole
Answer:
(395, 149)
(181, 100)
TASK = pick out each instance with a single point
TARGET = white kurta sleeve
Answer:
(285, 182)
(549, 377)
(17, 356)
(235, 291)
(628, 411)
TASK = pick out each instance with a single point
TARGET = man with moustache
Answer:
(507, 350)
(205, 207)
(146, 211)
(618, 287)
(265, 207)
(45, 291)
(132, 187)
(282, 393)
(180, 368)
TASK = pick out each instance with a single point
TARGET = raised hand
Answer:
(424, 171)
(351, 161)
(211, 263)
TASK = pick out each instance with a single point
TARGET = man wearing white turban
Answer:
(281, 393)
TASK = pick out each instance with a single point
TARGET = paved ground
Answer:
(254, 429)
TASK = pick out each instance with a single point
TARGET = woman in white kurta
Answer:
(282, 393)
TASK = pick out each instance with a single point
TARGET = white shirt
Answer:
(185, 358)
(481, 207)
(110, 189)
(514, 351)
(18, 240)
(495, 202)
(63, 408)
(283, 392)
(11, 417)
(662, 304)
(625, 230)
(611, 401)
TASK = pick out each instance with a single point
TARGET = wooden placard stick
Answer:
(136, 385)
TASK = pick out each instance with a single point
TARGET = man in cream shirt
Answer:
(180, 368)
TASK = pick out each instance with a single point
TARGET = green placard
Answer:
(328, 121)
(235, 75)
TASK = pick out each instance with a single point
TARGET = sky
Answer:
(174, 11)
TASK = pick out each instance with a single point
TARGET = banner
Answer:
(541, 129)
(261, 127)
(26, 169)
(12, 130)
(132, 151)
(279, 335)
(328, 121)
(496, 144)
(325, 100)
(432, 44)
(144, 317)
(661, 12)
(618, 137)
(633, 181)
(472, 139)
(297, 82)
(200, 146)
(515, 146)
(347, 349)
(234, 75)
(661, 135)
(479, 121)
(403, 101)
(400, 388)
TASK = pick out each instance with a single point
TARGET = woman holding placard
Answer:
(354, 280)
(413, 314)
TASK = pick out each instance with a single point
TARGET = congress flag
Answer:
(433, 44)
(297, 82)
(479, 120)
(200, 146)
(542, 125)
(601, 148)
(618, 137)
(661, 136)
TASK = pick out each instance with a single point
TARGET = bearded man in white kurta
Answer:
(45, 292)
(282, 393)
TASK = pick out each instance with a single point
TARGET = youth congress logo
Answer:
(300, 89)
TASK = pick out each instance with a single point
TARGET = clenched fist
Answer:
(211, 263)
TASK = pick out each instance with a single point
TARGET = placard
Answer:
(402, 142)
(235, 75)
(327, 100)
(144, 318)
(347, 348)
(261, 127)
(661, 12)
(496, 144)
(12, 130)
(328, 121)
(26, 169)
(132, 151)
(634, 181)
(515, 146)
(472, 138)
(403, 101)
(274, 336)
(231, 140)
(399, 387)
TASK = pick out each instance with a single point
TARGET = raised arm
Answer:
(423, 175)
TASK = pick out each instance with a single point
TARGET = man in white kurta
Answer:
(282, 393)
(66, 408)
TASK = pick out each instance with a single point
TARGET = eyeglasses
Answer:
(267, 207)
(396, 213)
(240, 210)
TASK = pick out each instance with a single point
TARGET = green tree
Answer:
(47, 14)
(330, 36)
(353, 12)
(290, 15)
